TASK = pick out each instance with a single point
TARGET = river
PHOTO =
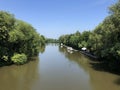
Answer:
(57, 69)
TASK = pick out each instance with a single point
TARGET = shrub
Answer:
(19, 59)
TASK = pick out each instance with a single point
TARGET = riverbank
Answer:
(101, 64)
(4, 63)
(89, 55)
(83, 52)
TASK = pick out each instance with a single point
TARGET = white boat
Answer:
(69, 51)
(70, 48)
(61, 44)
(84, 48)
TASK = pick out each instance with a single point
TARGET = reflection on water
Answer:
(42, 48)
(19, 77)
(98, 80)
(57, 69)
(58, 73)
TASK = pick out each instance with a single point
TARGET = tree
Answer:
(17, 36)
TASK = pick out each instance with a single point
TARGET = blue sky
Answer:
(53, 18)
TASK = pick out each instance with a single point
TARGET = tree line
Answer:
(18, 40)
(50, 40)
(103, 41)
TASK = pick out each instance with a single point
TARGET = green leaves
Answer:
(104, 40)
(3, 34)
(17, 36)
(19, 59)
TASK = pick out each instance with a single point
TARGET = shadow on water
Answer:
(98, 65)
(98, 71)
(106, 66)
(9, 63)
(42, 48)
(4, 63)
(19, 77)
(76, 57)
(117, 81)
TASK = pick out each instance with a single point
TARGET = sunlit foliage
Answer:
(103, 41)
(17, 36)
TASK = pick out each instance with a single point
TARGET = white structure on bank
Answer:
(84, 48)
(70, 48)
(61, 44)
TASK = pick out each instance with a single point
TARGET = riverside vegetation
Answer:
(18, 40)
(103, 41)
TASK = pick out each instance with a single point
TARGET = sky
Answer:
(53, 18)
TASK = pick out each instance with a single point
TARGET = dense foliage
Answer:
(103, 41)
(17, 36)
(50, 40)
(19, 59)
(76, 40)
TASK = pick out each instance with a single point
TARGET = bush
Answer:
(19, 59)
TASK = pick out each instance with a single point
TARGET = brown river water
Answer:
(57, 69)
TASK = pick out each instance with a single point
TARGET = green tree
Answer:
(17, 36)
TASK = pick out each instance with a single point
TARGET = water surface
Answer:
(57, 69)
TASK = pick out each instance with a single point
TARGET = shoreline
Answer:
(83, 52)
